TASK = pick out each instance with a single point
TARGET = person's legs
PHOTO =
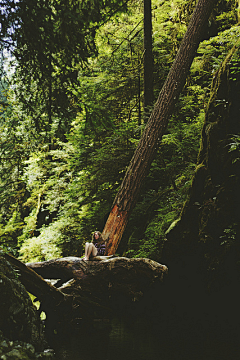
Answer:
(93, 250)
(90, 250)
(86, 251)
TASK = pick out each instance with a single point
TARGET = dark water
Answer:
(139, 339)
(182, 324)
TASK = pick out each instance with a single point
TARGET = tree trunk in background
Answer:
(139, 91)
(238, 11)
(148, 59)
(155, 128)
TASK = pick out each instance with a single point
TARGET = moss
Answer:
(213, 204)
(13, 350)
(18, 317)
(172, 226)
(21, 334)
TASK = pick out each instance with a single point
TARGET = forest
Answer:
(81, 82)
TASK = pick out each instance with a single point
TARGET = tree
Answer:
(50, 42)
(148, 57)
(238, 10)
(144, 154)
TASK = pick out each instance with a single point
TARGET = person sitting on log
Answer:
(96, 247)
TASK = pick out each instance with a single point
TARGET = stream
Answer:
(175, 323)
(123, 339)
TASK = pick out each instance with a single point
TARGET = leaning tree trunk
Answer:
(144, 154)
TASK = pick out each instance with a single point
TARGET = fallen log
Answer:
(65, 268)
(56, 304)
(107, 281)
(89, 289)
(35, 284)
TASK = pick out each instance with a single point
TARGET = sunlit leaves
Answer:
(67, 137)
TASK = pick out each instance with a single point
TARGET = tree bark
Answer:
(238, 11)
(84, 271)
(148, 59)
(35, 284)
(155, 128)
(103, 287)
(88, 289)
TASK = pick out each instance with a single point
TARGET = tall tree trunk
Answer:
(156, 126)
(139, 91)
(148, 59)
(238, 9)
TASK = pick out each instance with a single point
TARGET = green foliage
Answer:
(225, 14)
(210, 55)
(234, 148)
(39, 34)
(45, 246)
(70, 130)
(229, 236)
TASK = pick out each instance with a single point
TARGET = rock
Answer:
(14, 350)
(15, 354)
(21, 332)
(19, 319)
(46, 354)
